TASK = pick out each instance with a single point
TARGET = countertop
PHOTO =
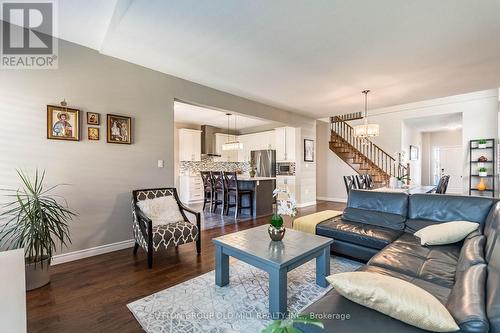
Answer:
(250, 179)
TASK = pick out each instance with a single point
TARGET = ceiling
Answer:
(196, 115)
(443, 122)
(311, 57)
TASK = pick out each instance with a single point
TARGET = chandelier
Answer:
(234, 144)
(366, 130)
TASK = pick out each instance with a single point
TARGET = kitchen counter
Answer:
(254, 179)
(262, 188)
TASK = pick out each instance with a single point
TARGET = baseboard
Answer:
(305, 204)
(332, 199)
(93, 251)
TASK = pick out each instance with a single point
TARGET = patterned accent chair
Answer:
(153, 239)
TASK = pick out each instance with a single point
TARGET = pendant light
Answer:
(234, 144)
(366, 130)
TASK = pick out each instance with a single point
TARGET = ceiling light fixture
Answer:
(235, 144)
(366, 130)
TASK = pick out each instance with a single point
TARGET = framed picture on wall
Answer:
(93, 133)
(413, 153)
(308, 150)
(119, 129)
(63, 123)
(93, 118)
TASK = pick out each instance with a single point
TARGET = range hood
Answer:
(208, 147)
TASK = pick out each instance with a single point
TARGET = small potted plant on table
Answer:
(285, 205)
(37, 222)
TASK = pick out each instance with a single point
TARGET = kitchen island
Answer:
(263, 188)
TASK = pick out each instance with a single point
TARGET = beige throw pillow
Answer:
(161, 210)
(445, 233)
(396, 298)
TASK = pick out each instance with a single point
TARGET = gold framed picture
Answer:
(63, 123)
(93, 133)
(93, 118)
(119, 129)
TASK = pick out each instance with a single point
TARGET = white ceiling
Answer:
(443, 122)
(312, 56)
(196, 115)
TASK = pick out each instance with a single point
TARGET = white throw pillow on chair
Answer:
(161, 210)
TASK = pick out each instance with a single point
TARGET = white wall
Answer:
(102, 175)
(479, 111)
(411, 136)
(305, 171)
(436, 139)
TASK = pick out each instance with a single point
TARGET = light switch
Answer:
(160, 163)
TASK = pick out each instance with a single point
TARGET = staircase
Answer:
(364, 156)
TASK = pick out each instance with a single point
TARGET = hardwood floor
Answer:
(90, 295)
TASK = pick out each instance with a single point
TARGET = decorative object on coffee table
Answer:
(37, 222)
(284, 206)
(285, 326)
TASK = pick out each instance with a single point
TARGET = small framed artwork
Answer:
(308, 150)
(93, 118)
(413, 153)
(63, 123)
(93, 133)
(119, 129)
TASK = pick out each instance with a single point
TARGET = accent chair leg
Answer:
(136, 247)
(198, 245)
(150, 259)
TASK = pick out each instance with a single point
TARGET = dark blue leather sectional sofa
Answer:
(378, 228)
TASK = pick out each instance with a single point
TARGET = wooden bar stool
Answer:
(208, 188)
(219, 192)
(233, 191)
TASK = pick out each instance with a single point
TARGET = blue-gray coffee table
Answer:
(254, 247)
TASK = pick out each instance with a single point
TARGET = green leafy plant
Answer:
(483, 170)
(286, 326)
(35, 220)
(482, 141)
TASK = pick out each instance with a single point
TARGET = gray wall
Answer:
(102, 175)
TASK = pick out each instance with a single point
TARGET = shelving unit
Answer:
(474, 153)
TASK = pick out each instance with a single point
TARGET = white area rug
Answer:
(198, 305)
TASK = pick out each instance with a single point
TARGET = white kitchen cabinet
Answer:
(255, 141)
(285, 144)
(191, 189)
(226, 155)
(189, 145)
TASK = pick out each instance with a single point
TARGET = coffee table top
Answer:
(256, 243)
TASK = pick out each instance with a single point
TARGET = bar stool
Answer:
(219, 192)
(233, 191)
(208, 188)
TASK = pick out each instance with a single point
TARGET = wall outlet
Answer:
(160, 164)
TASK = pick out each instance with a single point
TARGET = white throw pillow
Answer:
(161, 210)
(396, 298)
(445, 233)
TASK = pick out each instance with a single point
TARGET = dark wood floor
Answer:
(90, 295)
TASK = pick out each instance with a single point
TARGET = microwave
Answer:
(285, 169)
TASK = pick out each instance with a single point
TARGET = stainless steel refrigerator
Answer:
(265, 162)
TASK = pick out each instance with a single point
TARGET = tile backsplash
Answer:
(208, 164)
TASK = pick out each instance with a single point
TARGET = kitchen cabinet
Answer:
(226, 155)
(255, 141)
(285, 144)
(191, 189)
(189, 145)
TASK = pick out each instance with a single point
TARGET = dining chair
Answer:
(219, 192)
(208, 188)
(234, 192)
(442, 185)
(350, 183)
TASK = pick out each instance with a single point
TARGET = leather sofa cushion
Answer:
(358, 233)
(467, 300)
(472, 253)
(351, 250)
(445, 208)
(436, 264)
(387, 220)
(385, 202)
(492, 256)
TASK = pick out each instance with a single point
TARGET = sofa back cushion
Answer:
(492, 256)
(377, 208)
(445, 208)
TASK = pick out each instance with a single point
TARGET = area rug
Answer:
(198, 305)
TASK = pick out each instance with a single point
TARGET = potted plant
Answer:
(481, 143)
(483, 172)
(37, 222)
(284, 206)
(286, 326)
